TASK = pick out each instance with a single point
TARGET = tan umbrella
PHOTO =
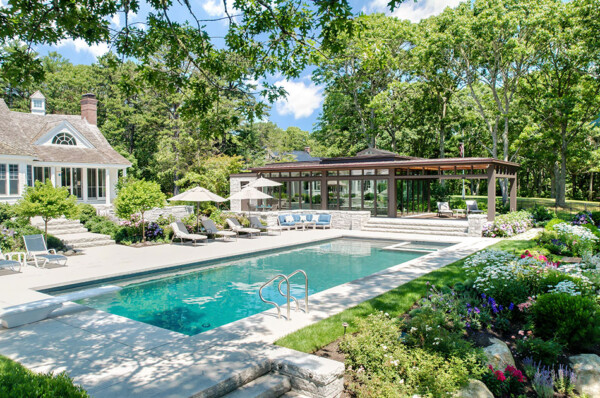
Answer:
(249, 193)
(264, 182)
(198, 195)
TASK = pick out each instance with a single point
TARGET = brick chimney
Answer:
(307, 149)
(89, 108)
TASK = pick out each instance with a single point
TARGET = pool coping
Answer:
(258, 331)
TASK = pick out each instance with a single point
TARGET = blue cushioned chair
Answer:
(324, 221)
(285, 224)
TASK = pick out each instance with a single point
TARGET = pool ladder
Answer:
(287, 295)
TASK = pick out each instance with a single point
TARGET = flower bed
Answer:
(543, 309)
(507, 225)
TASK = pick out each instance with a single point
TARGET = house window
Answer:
(96, 181)
(9, 179)
(71, 179)
(38, 103)
(41, 174)
(64, 139)
(2, 179)
(13, 175)
(29, 175)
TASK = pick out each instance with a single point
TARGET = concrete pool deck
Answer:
(112, 356)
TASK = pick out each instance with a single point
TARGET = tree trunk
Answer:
(562, 176)
(441, 130)
(46, 230)
(591, 190)
(554, 181)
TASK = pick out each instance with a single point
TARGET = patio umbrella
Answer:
(264, 182)
(198, 195)
(249, 193)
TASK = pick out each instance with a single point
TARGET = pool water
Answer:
(195, 300)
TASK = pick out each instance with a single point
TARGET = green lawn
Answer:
(16, 381)
(572, 206)
(395, 302)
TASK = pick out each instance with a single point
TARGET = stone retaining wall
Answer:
(352, 220)
(178, 212)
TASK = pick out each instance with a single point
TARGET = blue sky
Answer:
(305, 99)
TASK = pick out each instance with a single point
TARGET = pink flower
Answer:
(522, 333)
(499, 375)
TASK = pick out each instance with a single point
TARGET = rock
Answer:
(498, 354)
(587, 369)
(69, 253)
(475, 389)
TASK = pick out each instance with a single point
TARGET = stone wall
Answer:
(178, 212)
(352, 220)
(476, 222)
(235, 186)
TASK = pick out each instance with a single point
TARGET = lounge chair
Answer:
(444, 209)
(472, 207)
(235, 226)
(180, 232)
(324, 221)
(286, 221)
(7, 260)
(211, 229)
(256, 223)
(38, 251)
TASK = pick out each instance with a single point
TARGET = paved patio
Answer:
(114, 356)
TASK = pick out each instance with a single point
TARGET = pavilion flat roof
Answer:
(433, 164)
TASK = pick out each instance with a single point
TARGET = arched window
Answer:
(64, 139)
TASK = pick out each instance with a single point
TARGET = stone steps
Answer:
(267, 386)
(72, 233)
(417, 226)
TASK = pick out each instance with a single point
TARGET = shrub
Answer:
(507, 383)
(572, 320)
(550, 225)
(582, 218)
(18, 381)
(7, 212)
(579, 240)
(137, 197)
(154, 231)
(596, 217)
(86, 212)
(376, 353)
(541, 214)
(545, 352)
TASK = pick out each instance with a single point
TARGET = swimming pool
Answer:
(194, 300)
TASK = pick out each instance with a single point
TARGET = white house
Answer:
(69, 150)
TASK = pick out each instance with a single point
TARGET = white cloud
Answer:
(81, 46)
(302, 99)
(414, 11)
(213, 8)
(116, 20)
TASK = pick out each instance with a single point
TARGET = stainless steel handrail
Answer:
(274, 303)
(298, 271)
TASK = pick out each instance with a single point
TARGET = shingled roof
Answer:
(19, 132)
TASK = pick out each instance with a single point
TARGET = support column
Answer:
(125, 172)
(324, 191)
(107, 186)
(54, 176)
(513, 194)
(491, 212)
(84, 184)
(391, 194)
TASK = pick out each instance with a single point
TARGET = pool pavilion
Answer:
(384, 183)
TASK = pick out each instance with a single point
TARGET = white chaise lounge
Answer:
(38, 251)
(7, 260)
(236, 227)
(35, 311)
(180, 232)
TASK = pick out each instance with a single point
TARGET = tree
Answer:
(564, 91)
(138, 196)
(48, 202)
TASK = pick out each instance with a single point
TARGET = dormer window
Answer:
(38, 103)
(64, 139)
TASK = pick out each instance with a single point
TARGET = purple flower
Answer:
(511, 306)
(477, 310)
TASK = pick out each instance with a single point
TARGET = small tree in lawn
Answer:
(48, 202)
(138, 196)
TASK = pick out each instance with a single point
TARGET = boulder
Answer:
(587, 369)
(498, 354)
(475, 389)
